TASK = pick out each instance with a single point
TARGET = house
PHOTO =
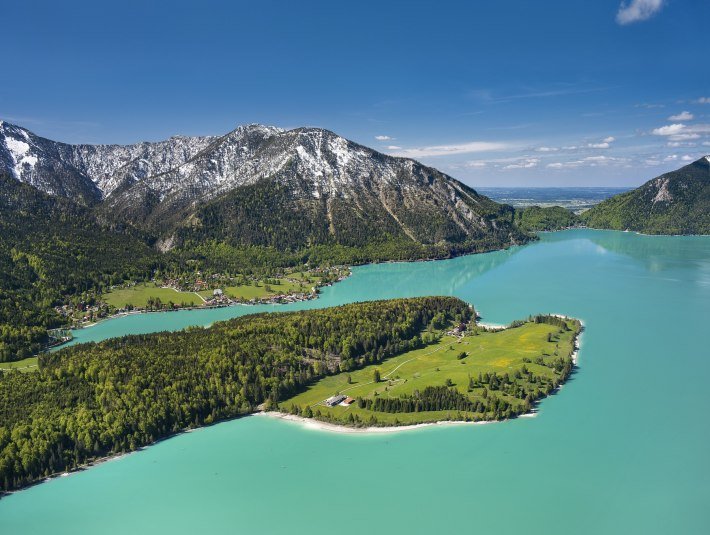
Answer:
(334, 400)
(217, 292)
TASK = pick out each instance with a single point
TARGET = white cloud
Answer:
(637, 10)
(477, 164)
(670, 158)
(687, 158)
(384, 138)
(682, 116)
(652, 161)
(684, 137)
(547, 149)
(706, 143)
(675, 144)
(514, 162)
(703, 100)
(393, 147)
(603, 144)
(681, 132)
(448, 150)
(523, 164)
(668, 130)
(589, 161)
(601, 159)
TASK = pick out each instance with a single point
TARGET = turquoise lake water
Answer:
(622, 448)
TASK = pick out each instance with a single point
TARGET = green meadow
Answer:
(248, 292)
(138, 296)
(525, 361)
(25, 365)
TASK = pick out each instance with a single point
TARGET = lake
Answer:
(622, 448)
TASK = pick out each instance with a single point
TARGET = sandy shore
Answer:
(317, 425)
(577, 343)
(492, 326)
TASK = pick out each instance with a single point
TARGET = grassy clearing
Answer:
(509, 353)
(138, 295)
(264, 291)
(25, 365)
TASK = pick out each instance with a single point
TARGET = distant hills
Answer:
(677, 202)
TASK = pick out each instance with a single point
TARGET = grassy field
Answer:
(505, 352)
(249, 291)
(139, 294)
(25, 365)
(308, 279)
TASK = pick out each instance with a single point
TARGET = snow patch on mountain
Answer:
(18, 152)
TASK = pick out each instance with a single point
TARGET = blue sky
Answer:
(573, 92)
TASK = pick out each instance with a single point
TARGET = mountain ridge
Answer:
(677, 202)
(356, 193)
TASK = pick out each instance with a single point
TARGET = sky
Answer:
(492, 92)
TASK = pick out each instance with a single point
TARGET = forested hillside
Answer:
(536, 218)
(50, 248)
(674, 203)
(92, 400)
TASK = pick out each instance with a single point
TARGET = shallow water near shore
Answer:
(622, 448)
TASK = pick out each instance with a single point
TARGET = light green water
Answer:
(622, 448)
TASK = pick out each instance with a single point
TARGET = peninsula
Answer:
(465, 372)
(403, 360)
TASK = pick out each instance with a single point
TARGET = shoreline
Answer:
(314, 425)
(626, 231)
(308, 297)
(319, 425)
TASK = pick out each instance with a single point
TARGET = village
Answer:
(199, 290)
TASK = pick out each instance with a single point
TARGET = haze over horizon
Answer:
(569, 93)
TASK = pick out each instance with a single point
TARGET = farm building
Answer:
(334, 400)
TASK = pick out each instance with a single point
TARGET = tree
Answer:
(376, 376)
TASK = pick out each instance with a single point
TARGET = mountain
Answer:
(88, 173)
(677, 202)
(260, 185)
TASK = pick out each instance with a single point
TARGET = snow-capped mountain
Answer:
(89, 172)
(165, 185)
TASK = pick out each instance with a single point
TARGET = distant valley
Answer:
(576, 199)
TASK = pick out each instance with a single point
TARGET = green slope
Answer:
(674, 203)
(49, 248)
